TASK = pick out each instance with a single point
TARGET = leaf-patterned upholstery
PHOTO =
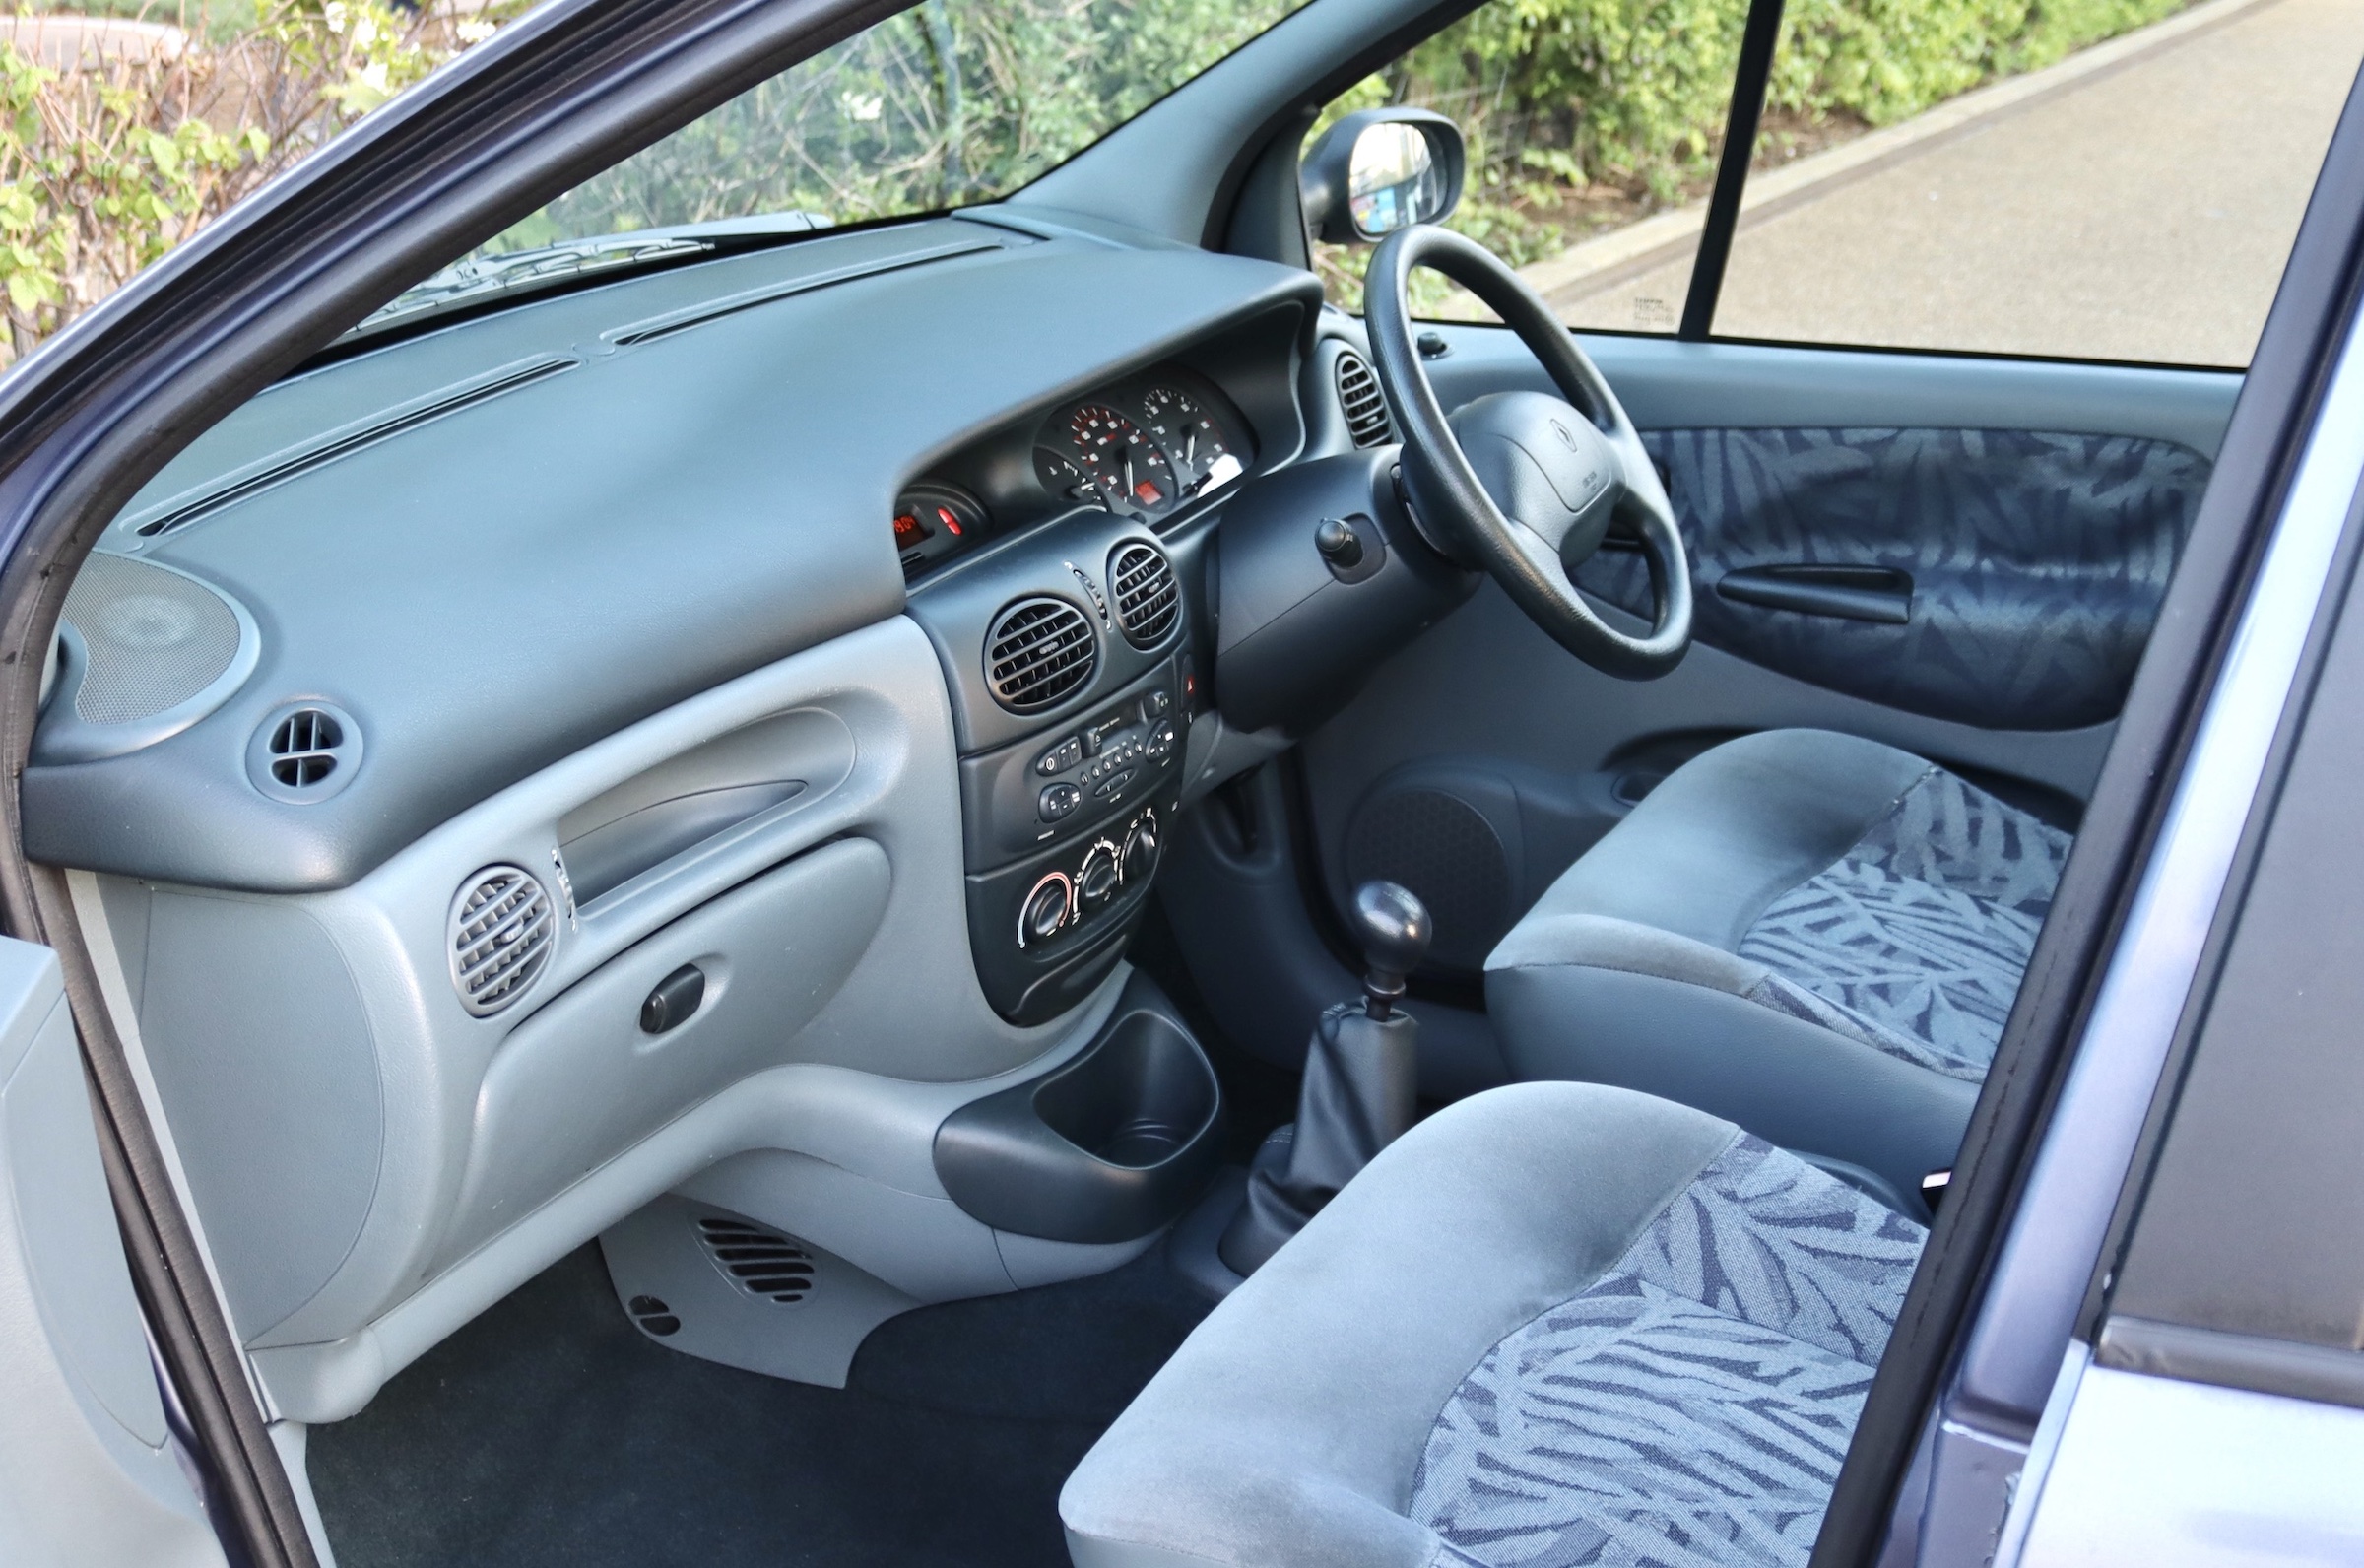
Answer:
(1553, 1324)
(1813, 935)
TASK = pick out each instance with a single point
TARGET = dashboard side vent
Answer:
(1148, 600)
(1039, 653)
(1358, 397)
(304, 753)
(503, 930)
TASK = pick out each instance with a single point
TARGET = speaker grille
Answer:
(156, 638)
(1358, 396)
(758, 1260)
(1147, 602)
(1040, 652)
(1446, 852)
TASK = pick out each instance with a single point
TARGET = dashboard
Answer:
(695, 734)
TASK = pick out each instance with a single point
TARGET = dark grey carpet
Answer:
(550, 1433)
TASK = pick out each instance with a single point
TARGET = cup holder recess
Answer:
(1106, 1147)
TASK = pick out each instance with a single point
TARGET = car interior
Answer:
(994, 886)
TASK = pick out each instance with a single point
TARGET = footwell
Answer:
(550, 1431)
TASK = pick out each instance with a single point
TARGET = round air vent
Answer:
(1359, 399)
(305, 752)
(1147, 602)
(1039, 653)
(758, 1260)
(502, 929)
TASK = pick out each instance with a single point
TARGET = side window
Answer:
(2093, 196)
(2105, 180)
(1592, 131)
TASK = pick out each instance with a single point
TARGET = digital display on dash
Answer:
(909, 530)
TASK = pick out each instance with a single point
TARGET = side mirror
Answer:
(1378, 171)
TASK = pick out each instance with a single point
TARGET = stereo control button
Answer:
(1059, 758)
(1057, 800)
(1111, 786)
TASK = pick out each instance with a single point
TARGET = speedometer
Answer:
(1130, 470)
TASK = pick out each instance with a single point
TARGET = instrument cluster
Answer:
(1143, 448)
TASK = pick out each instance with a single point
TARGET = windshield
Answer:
(950, 103)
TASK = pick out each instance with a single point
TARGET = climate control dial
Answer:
(1098, 878)
(1047, 908)
(1140, 857)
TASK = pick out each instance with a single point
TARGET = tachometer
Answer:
(1189, 433)
(1130, 470)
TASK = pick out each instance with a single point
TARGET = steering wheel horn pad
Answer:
(1524, 484)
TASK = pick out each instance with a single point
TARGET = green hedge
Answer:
(1636, 91)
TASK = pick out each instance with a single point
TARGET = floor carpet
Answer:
(550, 1431)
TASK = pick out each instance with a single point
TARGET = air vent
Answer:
(502, 928)
(304, 747)
(760, 1262)
(1147, 602)
(1358, 396)
(304, 753)
(1039, 653)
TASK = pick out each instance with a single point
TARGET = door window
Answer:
(1592, 129)
(2133, 199)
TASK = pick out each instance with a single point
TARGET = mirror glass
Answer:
(1393, 181)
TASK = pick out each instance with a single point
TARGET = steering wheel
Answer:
(1524, 484)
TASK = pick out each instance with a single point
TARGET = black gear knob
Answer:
(1395, 930)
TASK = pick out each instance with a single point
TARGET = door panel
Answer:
(2001, 578)
(87, 1471)
(1483, 759)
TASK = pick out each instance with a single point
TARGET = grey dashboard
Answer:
(487, 547)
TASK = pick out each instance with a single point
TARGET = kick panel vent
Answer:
(1039, 653)
(1359, 398)
(503, 930)
(758, 1261)
(1148, 601)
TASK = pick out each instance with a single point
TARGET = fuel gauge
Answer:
(1065, 481)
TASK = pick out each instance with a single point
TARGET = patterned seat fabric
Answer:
(1915, 940)
(1689, 1407)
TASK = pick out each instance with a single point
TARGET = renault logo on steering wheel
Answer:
(1567, 437)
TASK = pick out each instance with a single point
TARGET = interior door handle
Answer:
(1853, 593)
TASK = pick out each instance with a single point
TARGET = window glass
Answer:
(2132, 199)
(1593, 128)
(949, 102)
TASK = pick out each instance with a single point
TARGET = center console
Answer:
(1070, 661)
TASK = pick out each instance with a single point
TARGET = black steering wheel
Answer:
(1524, 484)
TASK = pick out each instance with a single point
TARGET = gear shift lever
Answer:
(1396, 932)
(1361, 1087)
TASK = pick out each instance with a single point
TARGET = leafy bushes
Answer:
(111, 160)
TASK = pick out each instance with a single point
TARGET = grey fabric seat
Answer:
(1553, 1324)
(1817, 936)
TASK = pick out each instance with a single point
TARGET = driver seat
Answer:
(1813, 935)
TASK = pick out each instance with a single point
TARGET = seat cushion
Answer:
(1557, 1323)
(1814, 935)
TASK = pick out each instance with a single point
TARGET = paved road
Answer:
(2140, 213)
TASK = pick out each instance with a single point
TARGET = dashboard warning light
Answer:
(1147, 493)
(944, 515)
